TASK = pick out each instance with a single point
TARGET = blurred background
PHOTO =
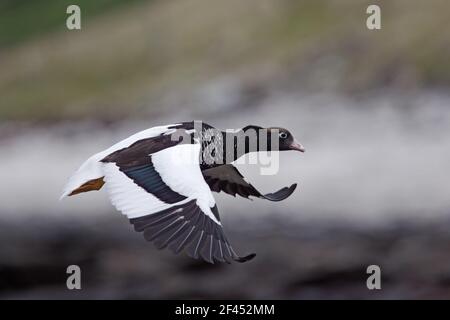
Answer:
(372, 109)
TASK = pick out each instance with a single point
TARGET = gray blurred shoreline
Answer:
(374, 159)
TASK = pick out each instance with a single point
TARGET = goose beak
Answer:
(297, 146)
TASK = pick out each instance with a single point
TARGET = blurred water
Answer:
(368, 160)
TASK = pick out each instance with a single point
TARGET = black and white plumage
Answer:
(158, 179)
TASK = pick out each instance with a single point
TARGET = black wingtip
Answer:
(281, 194)
(245, 258)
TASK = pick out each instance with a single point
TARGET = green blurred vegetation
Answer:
(21, 20)
(125, 60)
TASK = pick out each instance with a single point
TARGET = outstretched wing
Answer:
(163, 193)
(228, 179)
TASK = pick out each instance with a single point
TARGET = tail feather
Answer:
(91, 185)
(88, 177)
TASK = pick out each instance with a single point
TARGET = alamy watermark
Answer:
(73, 21)
(374, 280)
(373, 21)
(74, 279)
(253, 145)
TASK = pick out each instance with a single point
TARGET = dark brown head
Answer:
(286, 140)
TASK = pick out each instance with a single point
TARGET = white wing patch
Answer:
(179, 169)
(128, 197)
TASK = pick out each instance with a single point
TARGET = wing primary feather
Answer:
(211, 248)
(173, 236)
(156, 234)
(198, 244)
(218, 254)
(143, 225)
(226, 253)
(206, 250)
(183, 243)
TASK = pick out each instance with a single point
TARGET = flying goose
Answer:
(162, 179)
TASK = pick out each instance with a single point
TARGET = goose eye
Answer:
(283, 135)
